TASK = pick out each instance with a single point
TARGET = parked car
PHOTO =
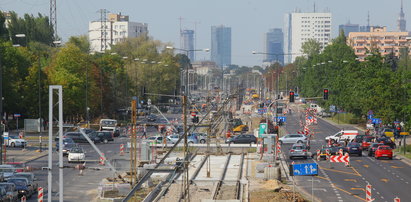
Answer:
(242, 139)
(15, 141)
(293, 138)
(373, 147)
(22, 186)
(298, 151)
(158, 139)
(76, 154)
(383, 151)
(11, 191)
(18, 166)
(7, 170)
(30, 177)
(152, 118)
(354, 148)
(174, 138)
(105, 136)
(201, 137)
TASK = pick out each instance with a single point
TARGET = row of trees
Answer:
(101, 83)
(380, 84)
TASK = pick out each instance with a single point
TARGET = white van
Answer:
(343, 135)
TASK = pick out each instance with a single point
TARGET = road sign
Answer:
(263, 128)
(376, 120)
(282, 118)
(340, 159)
(304, 169)
(370, 112)
(17, 115)
(404, 133)
(371, 116)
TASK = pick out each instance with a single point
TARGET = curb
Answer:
(35, 158)
(403, 158)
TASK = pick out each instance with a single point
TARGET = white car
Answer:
(76, 154)
(293, 138)
(15, 141)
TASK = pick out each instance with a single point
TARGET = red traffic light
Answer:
(291, 93)
(325, 90)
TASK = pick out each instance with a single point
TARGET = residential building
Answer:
(300, 27)
(274, 46)
(116, 28)
(207, 74)
(347, 28)
(401, 22)
(204, 67)
(221, 45)
(378, 38)
(187, 40)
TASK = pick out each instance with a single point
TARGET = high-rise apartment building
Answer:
(221, 45)
(274, 46)
(187, 40)
(116, 28)
(300, 27)
(378, 38)
(401, 23)
(347, 28)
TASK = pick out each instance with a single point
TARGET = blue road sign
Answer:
(376, 120)
(371, 116)
(304, 169)
(282, 118)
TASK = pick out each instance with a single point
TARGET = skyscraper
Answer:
(187, 37)
(401, 23)
(347, 28)
(274, 45)
(221, 45)
(300, 27)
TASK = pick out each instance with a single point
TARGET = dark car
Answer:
(68, 143)
(22, 186)
(79, 138)
(386, 141)
(373, 147)
(359, 138)
(152, 118)
(354, 148)
(105, 136)
(366, 142)
(242, 139)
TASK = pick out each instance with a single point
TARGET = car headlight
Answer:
(22, 191)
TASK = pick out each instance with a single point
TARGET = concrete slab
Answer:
(216, 167)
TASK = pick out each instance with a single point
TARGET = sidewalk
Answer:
(25, 156)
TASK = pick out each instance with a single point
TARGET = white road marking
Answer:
(378, 193)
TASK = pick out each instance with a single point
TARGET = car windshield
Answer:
(384, 148)
(28, 176)
(18, 182)
(7, 187)
(6, 170)
(67, 140)
(13, 137)
(353, 144)
(76, 150)
(17, 165)
(376, 145)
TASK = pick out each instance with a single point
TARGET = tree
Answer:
(311, 47)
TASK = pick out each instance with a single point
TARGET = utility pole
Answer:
(133, 149)
(186, 184)
(2, 127)
(53, 17)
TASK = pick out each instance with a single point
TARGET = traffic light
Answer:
(291, 96)
(195, 119)
(325, 94)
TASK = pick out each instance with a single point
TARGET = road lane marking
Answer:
(355, 170)
(396, 167)
(339, 171)
(324, 178)
(349, 193)
(366, 166)
(355, 188)
(352, 180)
(384, 180)
(358, 160)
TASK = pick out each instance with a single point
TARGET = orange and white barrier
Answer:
(396, 199)
(368, 193)
(102, 160)
(121, 149)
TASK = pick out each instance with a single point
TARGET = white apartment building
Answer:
(103, 34)
(300, 27)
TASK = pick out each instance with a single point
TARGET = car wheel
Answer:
(359, 154)
(305, 157)
(281, 142)
(252, 142)
(299, 141)
(202, 141)
(291, 158)
(13, 144)
(390, 158)
(369, 154)
(377, 158)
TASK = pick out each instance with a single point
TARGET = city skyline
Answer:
(253, 20)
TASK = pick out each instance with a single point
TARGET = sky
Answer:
(248, 19)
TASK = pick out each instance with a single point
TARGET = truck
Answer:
(110, 125)
(343, 135)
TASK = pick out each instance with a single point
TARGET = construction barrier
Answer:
(121, 149)
(340, 159)
(368, 193)
(23, 199)
(40, 194)
(102, 160)
(396, 199)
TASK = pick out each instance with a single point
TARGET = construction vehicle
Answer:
(238, 126)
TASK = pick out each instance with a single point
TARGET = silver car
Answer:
(293, 138)
(298, 151)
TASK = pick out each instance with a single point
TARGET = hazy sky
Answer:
(248, 19)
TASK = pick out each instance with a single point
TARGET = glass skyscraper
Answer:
(221, 45)
(274, 44)
(187, 37)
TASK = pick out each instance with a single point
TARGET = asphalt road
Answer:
(335, 182)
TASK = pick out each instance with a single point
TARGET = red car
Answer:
(366, 142)
(20, 167)
(383, 151)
